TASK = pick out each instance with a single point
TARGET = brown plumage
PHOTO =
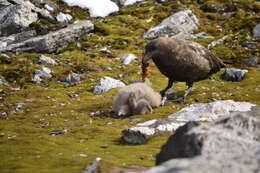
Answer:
(181, 60)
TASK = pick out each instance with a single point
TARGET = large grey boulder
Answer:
(53, 41)
(202, 112)
(230, 144)
(17, 15)
(107, 83)
(15, 18)
(178, 25)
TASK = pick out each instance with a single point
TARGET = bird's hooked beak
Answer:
(147, 56)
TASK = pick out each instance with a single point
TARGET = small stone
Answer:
(73, 77)
(105, 67)
(104, 146)
(41, 73)
(107, 83)
(127, 58)
(132, 121)
(83, 155)
(124, 3)
(160, 1)
(57, 132)
(120, 76)
(94, 166)
(253, 61)
(4, 58)
(49, 8)
(73, 95)
(202, 35)
(105, 50)
(216, 42)
(61, 17)
(47, 60)
(3, 81)
(233, 74)
(11, 137)
(256, 30)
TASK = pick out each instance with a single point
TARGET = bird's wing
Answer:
(215, 63)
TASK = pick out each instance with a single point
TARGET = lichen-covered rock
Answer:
(107, 83)
(182, 23)
(41, 73)
(17, 15)
(61, 17)
(233, 74)
(201, 148)
(256, 30)
(16, 38)
(72, 77)
(140, 133)
(42, 13)
(47, 60)
(127, 58)
(15, 18)
(53, 41)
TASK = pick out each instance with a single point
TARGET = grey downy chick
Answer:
(135, 98)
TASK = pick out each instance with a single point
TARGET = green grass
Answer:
(34, 149)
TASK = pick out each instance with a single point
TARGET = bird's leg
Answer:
(162, 92)
(187, 91)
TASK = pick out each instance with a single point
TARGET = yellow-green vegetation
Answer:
(25, 141)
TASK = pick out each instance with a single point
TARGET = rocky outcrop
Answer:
(230, 144)
(53, 41)
(16, 38)
(178, 25)
(202, 112)
(17, 15)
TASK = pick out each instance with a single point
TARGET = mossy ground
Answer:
(26, 143)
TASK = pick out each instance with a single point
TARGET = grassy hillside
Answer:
(25, 141)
